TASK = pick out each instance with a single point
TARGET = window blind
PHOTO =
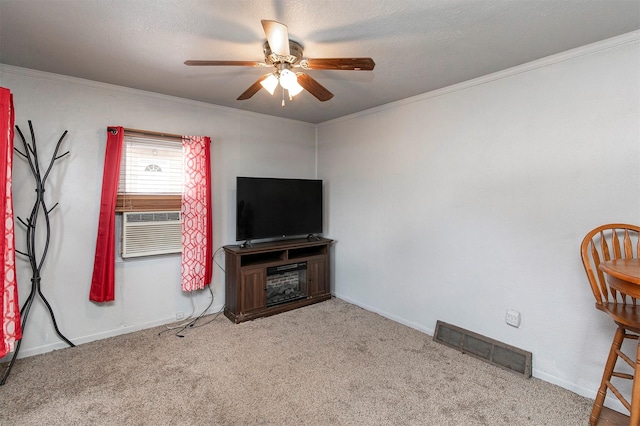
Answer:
(150, 166)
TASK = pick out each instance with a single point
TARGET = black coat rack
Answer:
(36, 260)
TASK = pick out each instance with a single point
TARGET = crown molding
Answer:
(59, 78)
(590, 49)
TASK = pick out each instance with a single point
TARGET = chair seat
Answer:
(626, 315)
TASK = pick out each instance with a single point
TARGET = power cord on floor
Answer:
(192, 322)
(187, 320)
(179, 329)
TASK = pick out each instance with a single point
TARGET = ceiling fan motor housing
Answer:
(295, 50)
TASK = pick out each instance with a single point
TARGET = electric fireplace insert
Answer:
(286, 283)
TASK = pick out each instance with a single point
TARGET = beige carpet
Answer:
(327, 364)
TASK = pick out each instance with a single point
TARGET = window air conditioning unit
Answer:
(150, 233)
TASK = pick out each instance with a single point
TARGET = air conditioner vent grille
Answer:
(151, 233)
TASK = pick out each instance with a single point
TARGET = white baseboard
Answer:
(385, 314)
(37, 350)
(610, 402)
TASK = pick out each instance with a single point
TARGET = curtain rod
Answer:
(156, 134)
(146, 133)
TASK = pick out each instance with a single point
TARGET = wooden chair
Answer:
(614, 241)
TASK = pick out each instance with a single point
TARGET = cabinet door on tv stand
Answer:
(317, 277)
(252, 291)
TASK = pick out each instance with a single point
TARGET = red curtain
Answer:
(102, 283)
(197, 232)
(197, 227)
(11, 330)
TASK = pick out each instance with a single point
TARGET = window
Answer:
(197, 256)
(151, 175)
(149, 195)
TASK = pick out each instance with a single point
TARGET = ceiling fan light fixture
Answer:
(288, 79)
(294, 89)
(270, 83)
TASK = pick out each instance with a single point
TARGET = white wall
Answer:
(455, 205)
(460, 204)
(147, 290)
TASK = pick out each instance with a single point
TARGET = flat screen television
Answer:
(277, 208)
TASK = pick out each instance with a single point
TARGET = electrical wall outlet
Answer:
(513, 318)
(179, 316)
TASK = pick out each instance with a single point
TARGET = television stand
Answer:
(269, 278)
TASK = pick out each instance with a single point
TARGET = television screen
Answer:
(274, 208)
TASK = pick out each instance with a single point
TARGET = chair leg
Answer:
(606, 376)
(635, 392)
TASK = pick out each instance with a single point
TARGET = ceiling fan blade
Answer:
(253, 89)
(225, 63)
(346, 64)
(277, 36)
(313, 87)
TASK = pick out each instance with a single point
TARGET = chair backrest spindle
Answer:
(607, 242)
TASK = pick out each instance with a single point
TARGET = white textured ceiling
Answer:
(417, 45)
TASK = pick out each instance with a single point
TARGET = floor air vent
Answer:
(484, 348)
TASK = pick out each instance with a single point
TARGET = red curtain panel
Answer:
(197, 233)
(197, 227)
(103, 280)
(11, 330)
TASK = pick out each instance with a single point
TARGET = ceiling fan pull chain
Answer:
(283, 97)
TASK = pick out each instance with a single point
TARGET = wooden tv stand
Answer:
(247, 271)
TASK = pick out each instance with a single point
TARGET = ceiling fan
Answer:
(285, 55)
